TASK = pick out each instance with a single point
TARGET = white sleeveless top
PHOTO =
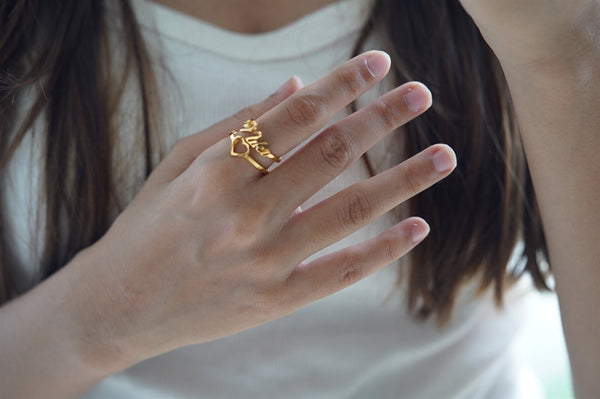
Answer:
(358, 343)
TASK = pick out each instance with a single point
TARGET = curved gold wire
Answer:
(250, 138)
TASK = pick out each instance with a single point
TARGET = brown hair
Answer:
(58, 52)
(488, 204)
(477, 215)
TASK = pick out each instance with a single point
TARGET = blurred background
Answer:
(544, 346)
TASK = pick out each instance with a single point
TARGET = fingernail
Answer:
(444, 160)
(418, 98)
(378, 63)
(287, 88)
(419, 231)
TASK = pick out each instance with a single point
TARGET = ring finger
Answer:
(358, 205)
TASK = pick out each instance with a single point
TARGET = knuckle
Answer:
(350, 273)
(409, 175)
(262, 307)
(389, 249)
(269, 302)
(246, 113)
(336, 149)
(246, 221)
(354, 80)
(386, 115)
(181, 152)
(356, 210)
(305, 109)
(181, 147)
(255, 218)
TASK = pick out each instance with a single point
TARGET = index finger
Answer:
(309, 109)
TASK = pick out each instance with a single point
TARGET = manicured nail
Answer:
(418, 98)
(378, 63)
(444, 160)
(287, 88)
(419, 231)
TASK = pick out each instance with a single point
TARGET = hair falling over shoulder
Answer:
(480, 212)
(59, 52)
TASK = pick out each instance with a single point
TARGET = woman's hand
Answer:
(211, 246)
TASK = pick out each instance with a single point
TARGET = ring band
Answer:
(249, 137)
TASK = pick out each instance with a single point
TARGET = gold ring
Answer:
(249, 137)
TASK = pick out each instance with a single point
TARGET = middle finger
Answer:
(342, 143)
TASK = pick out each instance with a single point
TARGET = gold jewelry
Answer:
(251, 139)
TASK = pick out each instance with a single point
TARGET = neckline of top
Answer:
(310, 33)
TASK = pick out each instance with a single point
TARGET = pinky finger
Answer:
(336, 271)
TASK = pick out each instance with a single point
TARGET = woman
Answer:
(211, 245)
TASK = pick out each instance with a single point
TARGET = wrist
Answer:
(41, 347)
(113, 321)
(96, 338)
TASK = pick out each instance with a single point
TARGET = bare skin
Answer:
(550, 52)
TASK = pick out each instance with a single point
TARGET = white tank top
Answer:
(358, 343)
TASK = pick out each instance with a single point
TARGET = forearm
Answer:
(558, 106)
(42, 350)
